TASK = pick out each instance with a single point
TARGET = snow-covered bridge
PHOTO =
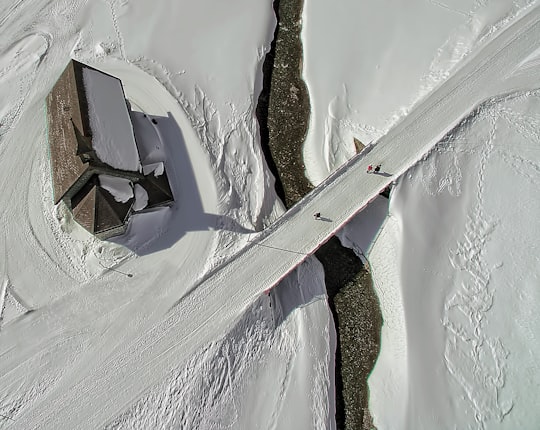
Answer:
(197, 318)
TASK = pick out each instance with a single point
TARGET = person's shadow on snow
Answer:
(322, 218)
(385, 174)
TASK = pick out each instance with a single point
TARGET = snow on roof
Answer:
(148, 140)
(141, 198)
(112, 131)
(157, 168)
(120, 188)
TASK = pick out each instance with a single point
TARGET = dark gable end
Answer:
(158, 190)
(110, 214)
(84, 211)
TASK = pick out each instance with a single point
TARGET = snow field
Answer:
(468, 310)
(374, 62)
(93, 325)
(248, 378)
(86, 306)
(241, 297)
(437, 354)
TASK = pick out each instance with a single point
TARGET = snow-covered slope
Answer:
(455, 264)
(85, 304)
(466, 279)
(367, 63)
(128, 334)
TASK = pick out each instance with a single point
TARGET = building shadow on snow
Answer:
(161, 228)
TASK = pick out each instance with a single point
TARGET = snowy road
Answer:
(213, 307)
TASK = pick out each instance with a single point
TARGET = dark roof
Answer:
(96, 209)
(84, 143)
(158, 189)
(110, 213)
(84, 211)
(66, 112)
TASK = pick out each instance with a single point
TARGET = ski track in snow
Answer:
(59, 348)
(204, 404)
(17, 76)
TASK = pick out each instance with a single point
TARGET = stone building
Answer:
(94, 154)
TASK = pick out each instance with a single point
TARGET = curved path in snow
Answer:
(97, 396)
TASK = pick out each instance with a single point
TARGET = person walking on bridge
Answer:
(377, 168)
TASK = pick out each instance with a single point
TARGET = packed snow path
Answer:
(126, 372)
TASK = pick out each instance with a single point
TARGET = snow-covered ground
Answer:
(74, 308)
(195, 69)
(468, 264)
(455, 264)
(374, 60)
(272, 370)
